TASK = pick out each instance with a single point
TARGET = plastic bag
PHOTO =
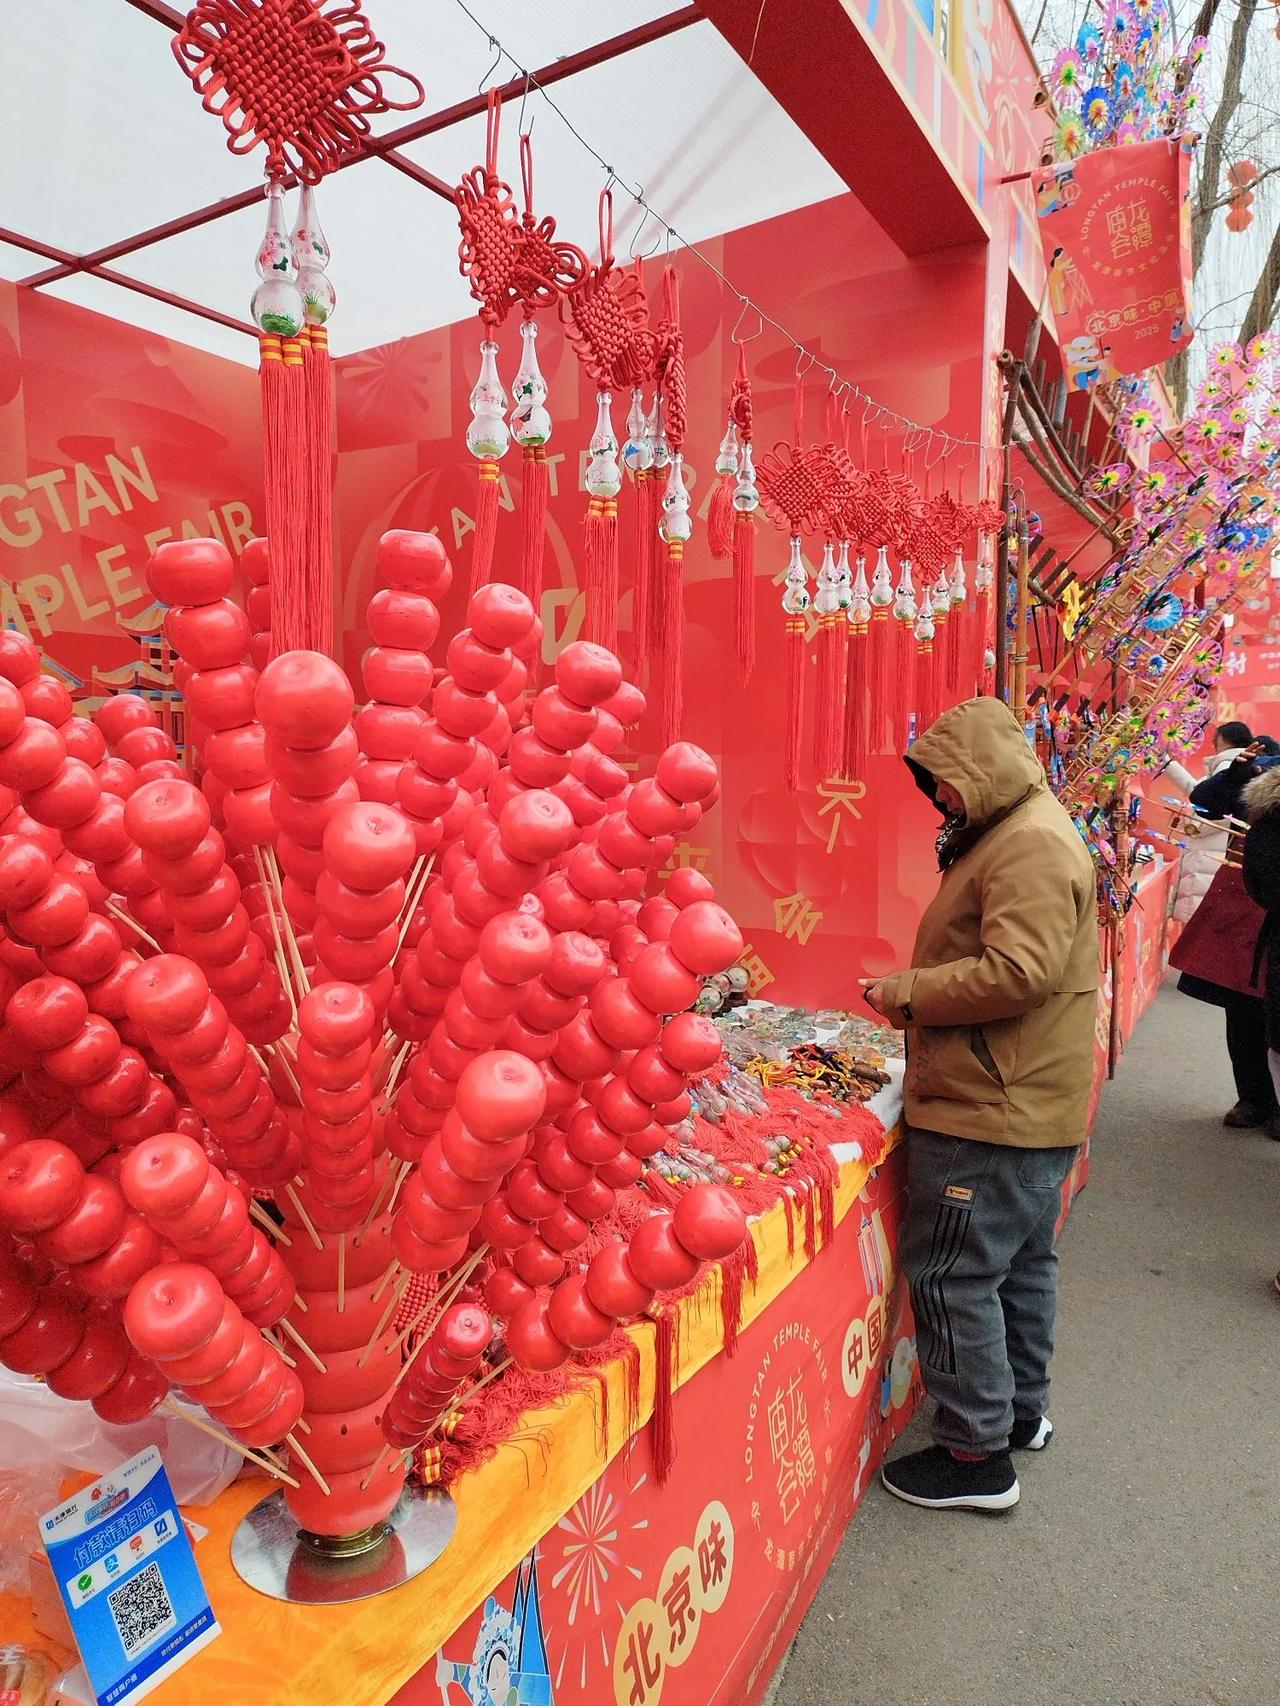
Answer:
(41, 1431)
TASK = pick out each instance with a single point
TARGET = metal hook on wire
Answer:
(801, 354)
(524, 96)
(635, 235)
(746, 303)
(496, 45)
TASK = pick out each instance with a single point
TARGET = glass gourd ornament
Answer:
(795, 596)
(860, 597)
(487, 436)
(746, 494)
(311, 256)
(637, 452)
(604, 472)
(277, 304)
(825, 600)
(675, 523)
(882, 581)
(904, 603)
(957, 588)
(530, 419)
(844, 578)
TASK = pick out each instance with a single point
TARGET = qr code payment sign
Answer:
(142, 1610)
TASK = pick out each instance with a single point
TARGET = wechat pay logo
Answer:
(85, 1582)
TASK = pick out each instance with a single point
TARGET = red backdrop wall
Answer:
(112, 439)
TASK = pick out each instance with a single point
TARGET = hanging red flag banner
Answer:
(1116, 226)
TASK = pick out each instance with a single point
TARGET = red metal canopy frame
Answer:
(386, 148)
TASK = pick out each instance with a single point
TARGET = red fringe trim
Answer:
(600, 572)
(284, 481)
(656, 581)
(317, 617)
(733, 1275)
(744, 592)
(928, 664)
(720, 514)
(486, 536)
(880, 640)
(956, 621)
(794, 725)
(673, 643)
(533, 524)
(855, 703)
(902, 697)
(642, 597)
(666, 1354)
(828, 738)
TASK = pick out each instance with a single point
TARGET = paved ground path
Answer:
(1142, 1566)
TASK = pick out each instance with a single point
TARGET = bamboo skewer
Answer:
(276, 936)
(120, 913)
(286, 923)
(374, 1467)
(303, 1458)
(304, 1217)
(387, 1274)
(271, 1467)
(465, 1397)
(373, 1211)
(393, 1303)
(268, 1225)
(413, 894)
(406, 1168)
(288, 1327)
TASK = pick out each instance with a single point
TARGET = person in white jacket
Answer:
(1206, 839)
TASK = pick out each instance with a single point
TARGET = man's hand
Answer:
(871, 994)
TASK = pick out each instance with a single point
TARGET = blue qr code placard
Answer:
(142, 1610)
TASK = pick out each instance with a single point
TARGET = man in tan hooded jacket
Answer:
(998, 1007)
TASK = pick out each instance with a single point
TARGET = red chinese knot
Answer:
(302, 76)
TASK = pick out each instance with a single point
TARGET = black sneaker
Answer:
(1031, 1435)
(1243, 1117)
(939, 1481)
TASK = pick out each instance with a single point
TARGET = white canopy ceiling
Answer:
(105, 138)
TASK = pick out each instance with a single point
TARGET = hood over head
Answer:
(1262, 795)
(981, 749)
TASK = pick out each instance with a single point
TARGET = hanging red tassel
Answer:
(533, 524)
(955, 634)
(855, 702)
(600, 572)
(720, 516)
(642, 532)
(486, 534)
(654, 577)
(665, 1376)
(927, 705)
(673, 642)
(902, 695)
(744, 592)
(881, 641)
(283, 384)
(318, 447)
(794, 702)
(829, 718)
(733, 1275)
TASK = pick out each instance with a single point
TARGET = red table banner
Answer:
(1116, 230)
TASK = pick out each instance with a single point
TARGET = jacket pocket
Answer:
(947, 1063)
(986, 1060)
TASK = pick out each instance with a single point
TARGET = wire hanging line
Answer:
(885, 418)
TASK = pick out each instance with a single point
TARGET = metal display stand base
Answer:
(278, 1559)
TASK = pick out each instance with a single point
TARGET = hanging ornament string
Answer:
(676, 526)
(303, 81)
(545, 272)
(606, 323)
(731, 515)
(487, 257)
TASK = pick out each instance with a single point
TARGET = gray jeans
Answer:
(978, 1251)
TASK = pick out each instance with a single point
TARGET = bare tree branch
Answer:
(1262, 308)
(1224, 200)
